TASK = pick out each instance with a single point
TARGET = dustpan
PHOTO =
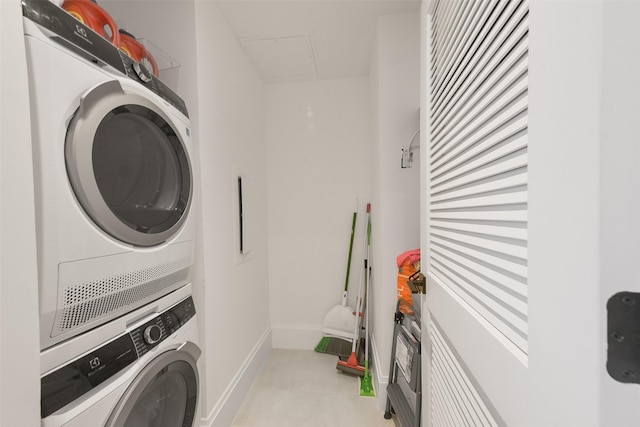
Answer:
(339, 321)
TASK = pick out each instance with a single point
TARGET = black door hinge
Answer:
(623, 337)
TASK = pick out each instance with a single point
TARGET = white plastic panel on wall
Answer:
(477, 159)
(456, 401)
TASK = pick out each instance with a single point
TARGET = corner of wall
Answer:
(295, 336)
(225, 409)
(395, 71)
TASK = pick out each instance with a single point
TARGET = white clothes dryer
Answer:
(113, 177)
(145, 376)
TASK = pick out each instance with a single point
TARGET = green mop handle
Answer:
(353, 231)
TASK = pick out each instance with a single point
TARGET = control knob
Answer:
(142, 72)
(152, 334)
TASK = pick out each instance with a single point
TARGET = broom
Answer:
(351, 365)
(338, 322)
(366, 384)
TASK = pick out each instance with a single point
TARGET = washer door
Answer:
(165, 394)
(128, 165)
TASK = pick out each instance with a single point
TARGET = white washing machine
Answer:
(145, 375)
(113, 177)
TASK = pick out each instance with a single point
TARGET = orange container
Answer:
(137, 51)
(407, 267)
(93, 16)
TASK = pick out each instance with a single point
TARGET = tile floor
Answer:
(302, 388)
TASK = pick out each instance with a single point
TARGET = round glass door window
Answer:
(140, 168)
(164, 395)
(129, 168)
(165, 402)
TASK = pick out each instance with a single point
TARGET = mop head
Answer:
(366, 383)
(350, 366)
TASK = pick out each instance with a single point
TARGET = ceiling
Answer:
(298, 40)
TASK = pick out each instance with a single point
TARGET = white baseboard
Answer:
(380, 376)
(225, 410)
(295, 336)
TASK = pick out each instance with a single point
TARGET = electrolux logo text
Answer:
(82, 33)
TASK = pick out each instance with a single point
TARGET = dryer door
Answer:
(128, 165)
(164, 394)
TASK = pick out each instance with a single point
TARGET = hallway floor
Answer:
(302, 388)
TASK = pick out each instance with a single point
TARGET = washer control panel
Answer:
(67, 383)
(152, 334)
(161, 327)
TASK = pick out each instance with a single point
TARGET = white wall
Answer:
(318, 160)
(19, 334)
(232, 142)
(395, 73)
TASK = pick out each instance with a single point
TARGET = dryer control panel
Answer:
(67, 383)
(82, 40)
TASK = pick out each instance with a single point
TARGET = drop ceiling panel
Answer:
(340, 34)
(282, 57)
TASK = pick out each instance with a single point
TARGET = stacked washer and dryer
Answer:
(115, 233)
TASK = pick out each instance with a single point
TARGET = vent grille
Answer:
(90, 301)
(455, 401)
(477, 168)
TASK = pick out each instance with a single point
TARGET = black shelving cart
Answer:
(404, 391)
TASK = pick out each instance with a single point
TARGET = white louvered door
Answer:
(476, 237)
